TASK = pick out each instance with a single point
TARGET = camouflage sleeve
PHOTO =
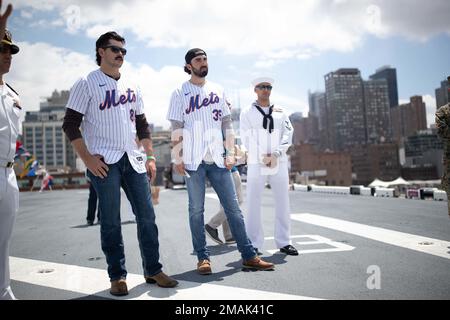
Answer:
(442, 121)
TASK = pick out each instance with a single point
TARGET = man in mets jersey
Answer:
(201, 121)
(112, 112)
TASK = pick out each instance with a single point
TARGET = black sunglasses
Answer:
(116, 49)
(262, 87)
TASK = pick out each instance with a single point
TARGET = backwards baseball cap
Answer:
(191, 54)
(260, 80)
(7, 39)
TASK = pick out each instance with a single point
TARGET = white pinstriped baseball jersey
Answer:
(200, 109)
(109, 108)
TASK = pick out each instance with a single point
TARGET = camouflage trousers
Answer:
(445, 185)
(448, 202)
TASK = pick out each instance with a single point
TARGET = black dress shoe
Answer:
(289, 250)
(213, 234)
(259, 253)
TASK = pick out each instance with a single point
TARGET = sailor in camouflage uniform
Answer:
(443, 126)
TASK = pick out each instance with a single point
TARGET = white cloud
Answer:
(286, 29)
(157, 87)
(57, 23)
(26, 14)
(37, 76)
(41, 23)
(266, 63)
(273, 31)
(41, 68)
(290, 104)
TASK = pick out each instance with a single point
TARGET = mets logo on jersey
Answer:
(194, 102)
(110, 99)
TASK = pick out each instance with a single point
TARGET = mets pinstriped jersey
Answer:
(109, 107)
(200, 109)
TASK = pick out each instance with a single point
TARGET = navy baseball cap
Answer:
(191, 54)
(7, 39)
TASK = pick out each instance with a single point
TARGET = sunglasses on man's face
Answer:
(262, 87)
(116, 49)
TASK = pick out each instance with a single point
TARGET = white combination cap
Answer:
(262, 80)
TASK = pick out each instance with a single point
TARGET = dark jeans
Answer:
(92, 204)
(137, 190)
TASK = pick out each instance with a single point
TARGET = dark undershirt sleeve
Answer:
(142, 129)
(71, 124)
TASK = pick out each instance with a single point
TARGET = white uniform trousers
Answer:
(278, 179)
(220, 218)
(9, 204)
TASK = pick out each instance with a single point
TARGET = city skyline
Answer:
(296, 43)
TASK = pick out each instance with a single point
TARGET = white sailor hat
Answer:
(259, 80)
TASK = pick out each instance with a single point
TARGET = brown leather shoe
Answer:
(162, 280)
(258, 264)
(204, 267)
(119, 288)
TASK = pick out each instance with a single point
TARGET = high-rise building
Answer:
(408, 118)
(377, 111)
(425, 149)
(390, 75)
(344, 94)
(296, 120)
(43, 135)
(318, 108)
(305, 129)
(375, 161)
(442, 94)
(313, 100)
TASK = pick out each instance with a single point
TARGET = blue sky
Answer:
(296, 42)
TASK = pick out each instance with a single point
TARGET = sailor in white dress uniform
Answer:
(267, 133)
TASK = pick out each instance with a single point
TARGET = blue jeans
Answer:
(136, 188)
(222, 182)
(92, 205)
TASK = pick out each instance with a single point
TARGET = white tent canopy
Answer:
(385, 184)
(399, 182)
(378, 183)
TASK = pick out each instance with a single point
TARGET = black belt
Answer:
(7, 164)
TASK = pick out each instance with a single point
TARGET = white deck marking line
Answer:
(336, 246)
(400, 239)
(91, 281)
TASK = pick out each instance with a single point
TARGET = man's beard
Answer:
(201, 73)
